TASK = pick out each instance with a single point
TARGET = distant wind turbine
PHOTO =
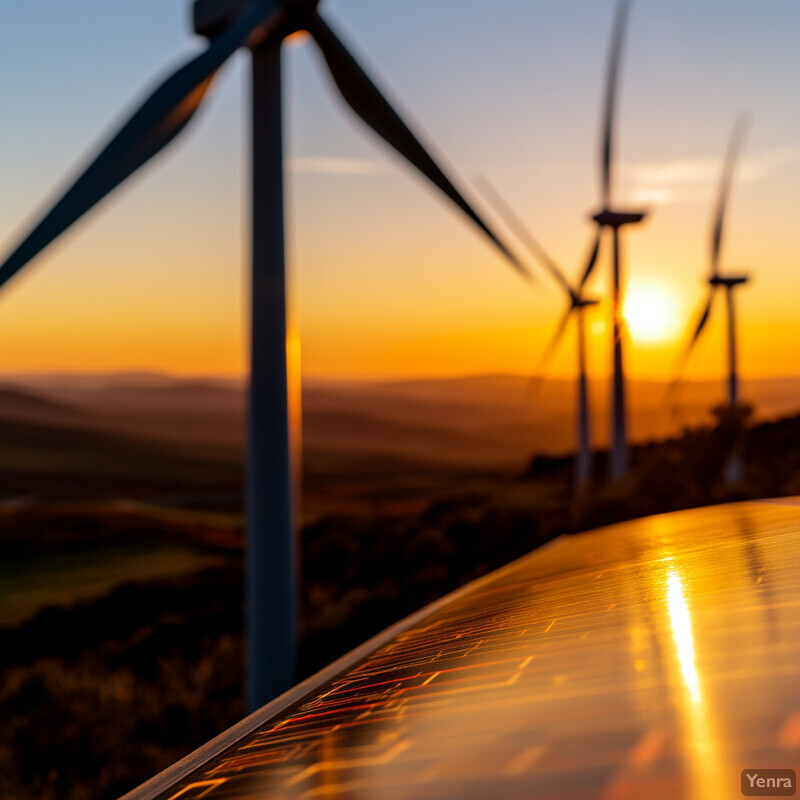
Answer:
(610, 217)
(273, 437)
(577, 305)
(727, 282)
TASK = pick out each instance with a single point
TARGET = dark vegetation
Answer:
(99, 695)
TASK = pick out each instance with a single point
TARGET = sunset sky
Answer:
(389, 281)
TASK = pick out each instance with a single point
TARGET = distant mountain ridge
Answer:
(474, 422)
(25, 405)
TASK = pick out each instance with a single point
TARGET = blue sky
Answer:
(510, 90)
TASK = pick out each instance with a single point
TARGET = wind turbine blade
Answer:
(592, 260)
(734, 146)
(698, 329)
(612, 78)
(556, 338)
(522, 233)
(702, 319)
(367, 102)
(157, 121)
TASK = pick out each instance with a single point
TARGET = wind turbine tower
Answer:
(615, 218)
(273, 421)
(717, 281)
(728, 282)
(577, 305)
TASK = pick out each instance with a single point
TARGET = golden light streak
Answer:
(682, 633)
(710, 773)
(297, 38)
(294, 396)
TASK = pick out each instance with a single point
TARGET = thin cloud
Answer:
(688, 180)
(320, 165)
(766, 164)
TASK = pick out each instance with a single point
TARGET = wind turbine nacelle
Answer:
(616, 219)
(211, 17)
(733, 280)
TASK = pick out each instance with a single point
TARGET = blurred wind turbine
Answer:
(577, 305)
(273, 435)
(728, 282)
(609, 217)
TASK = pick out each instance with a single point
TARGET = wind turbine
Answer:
(615, 218)
(273, 435)
(577, 305)
(717, 281)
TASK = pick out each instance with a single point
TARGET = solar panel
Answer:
(656, 658)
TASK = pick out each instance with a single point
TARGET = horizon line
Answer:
(233, 377)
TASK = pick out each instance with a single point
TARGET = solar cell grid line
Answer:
(656, 658)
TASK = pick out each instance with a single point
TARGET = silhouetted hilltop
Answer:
(24, 405)
(140, 435)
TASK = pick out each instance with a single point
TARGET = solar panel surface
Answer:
(656, 658)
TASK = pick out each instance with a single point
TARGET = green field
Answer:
(29, 583)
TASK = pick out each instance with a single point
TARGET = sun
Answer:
(650, 311)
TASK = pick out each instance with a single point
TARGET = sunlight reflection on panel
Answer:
(682, 632)
(709, 779)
